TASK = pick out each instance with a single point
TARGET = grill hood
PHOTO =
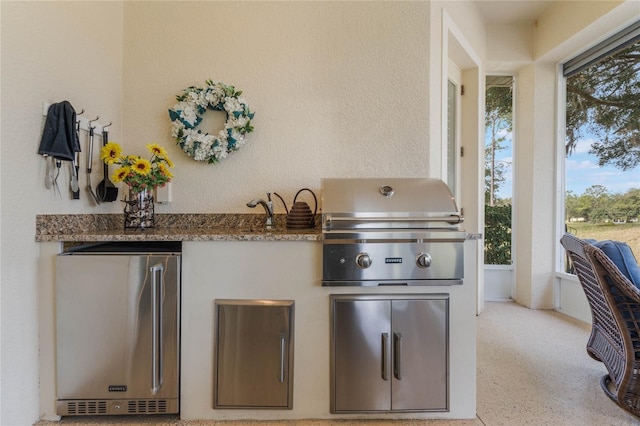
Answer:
(390, 231)
(388, 203)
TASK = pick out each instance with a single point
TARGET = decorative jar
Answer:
(138, 210)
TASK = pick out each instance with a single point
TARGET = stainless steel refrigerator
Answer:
(117, 330)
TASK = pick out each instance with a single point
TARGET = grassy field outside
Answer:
(626, 232)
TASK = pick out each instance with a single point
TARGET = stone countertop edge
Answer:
(170, 227)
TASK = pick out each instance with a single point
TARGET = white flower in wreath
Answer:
(186, 115)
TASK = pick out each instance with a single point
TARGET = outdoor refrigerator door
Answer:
(117, 326)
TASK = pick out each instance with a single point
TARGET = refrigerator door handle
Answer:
(385, 349)
(283, 345)
(397, 355)
(157, 276)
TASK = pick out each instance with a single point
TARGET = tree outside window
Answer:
(602, 199)
(498, 149)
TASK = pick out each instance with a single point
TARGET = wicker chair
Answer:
(615, 310)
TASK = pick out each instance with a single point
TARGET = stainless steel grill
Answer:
(397, 231)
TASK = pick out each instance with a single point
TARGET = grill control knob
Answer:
(363, 260)
(423, 260)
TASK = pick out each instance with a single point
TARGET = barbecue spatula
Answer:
(106, 190)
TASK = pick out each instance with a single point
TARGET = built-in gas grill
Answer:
(397, 231)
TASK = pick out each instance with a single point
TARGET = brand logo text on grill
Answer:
(392, 260)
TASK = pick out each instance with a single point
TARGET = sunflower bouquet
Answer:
(137, 172)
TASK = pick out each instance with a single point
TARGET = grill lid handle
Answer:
(387, 190)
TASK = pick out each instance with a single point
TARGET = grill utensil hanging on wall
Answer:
(106, 190)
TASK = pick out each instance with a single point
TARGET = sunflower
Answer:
(110, 153)
(168, 161)
(120, 174)
(141, 166)
(157, 150)
(165, 170)
(136, 172)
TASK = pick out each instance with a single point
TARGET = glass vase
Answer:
(138, 210)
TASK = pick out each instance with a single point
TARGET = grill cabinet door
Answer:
(254, 354)
(389, 353)
(420, 355)
(361, 355)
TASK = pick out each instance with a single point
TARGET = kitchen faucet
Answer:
(268, 208)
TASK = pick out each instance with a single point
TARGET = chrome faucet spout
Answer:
(268, 209)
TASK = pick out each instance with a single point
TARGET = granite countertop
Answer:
(170, 227)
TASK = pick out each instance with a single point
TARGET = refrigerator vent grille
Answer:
(86, 407)
(147, 407)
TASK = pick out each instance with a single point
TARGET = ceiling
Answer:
(512, 11)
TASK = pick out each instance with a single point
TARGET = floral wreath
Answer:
(186, 115)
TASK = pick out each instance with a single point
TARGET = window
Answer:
(498, 167)
(602, 143)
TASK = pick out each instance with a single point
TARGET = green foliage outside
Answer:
(597, 205)
(497, 238)
(603, 100)
(498, 122)
(497, 223)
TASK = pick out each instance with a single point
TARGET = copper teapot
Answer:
(300, 216)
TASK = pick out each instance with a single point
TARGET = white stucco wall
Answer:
(51, 51)
(509, 46)
(339, 89)
(564, 19)
(535, 185)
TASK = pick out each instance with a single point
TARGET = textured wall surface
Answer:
(339, 89)
(51, 51)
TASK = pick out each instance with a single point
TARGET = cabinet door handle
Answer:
(397, 355)
(385, 348)
(283, 346)
(156, 326)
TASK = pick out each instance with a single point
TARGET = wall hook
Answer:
(80, 113)
(95, 119)
(104, 127)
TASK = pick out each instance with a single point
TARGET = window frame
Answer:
(454, 77)
(620, 39)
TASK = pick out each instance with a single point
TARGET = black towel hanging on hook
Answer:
(59, 137)
(59, 141)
